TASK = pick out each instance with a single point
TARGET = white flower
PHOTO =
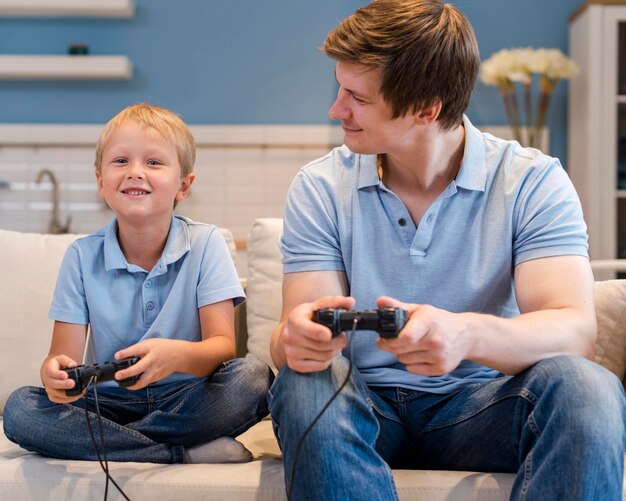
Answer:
(518, 65)
(553, 64)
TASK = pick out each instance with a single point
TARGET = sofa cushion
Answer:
(264, 289)
(29, 263)
(610, 303)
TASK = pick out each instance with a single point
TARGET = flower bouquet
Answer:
(510, 66)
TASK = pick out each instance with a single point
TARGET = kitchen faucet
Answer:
(55, 226)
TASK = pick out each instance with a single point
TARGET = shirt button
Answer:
(147, 284)
(150, 305)
(429, 219)
(402, 221)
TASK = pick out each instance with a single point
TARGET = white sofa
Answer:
(28, 267)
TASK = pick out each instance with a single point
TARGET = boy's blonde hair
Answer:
(165, 122)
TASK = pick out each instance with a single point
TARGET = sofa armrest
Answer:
(610, 305)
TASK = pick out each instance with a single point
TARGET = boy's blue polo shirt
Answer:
(125, 304)
(507, 205)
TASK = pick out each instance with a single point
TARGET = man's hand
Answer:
(309, 346)
(433, 341)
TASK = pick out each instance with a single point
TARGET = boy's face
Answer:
(140, 175)
(365, 116)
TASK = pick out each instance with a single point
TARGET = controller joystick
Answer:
(82, 374)
(388, 322)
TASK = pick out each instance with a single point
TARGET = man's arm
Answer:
(555, 297)
(297, 341)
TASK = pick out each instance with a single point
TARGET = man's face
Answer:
(365, 116)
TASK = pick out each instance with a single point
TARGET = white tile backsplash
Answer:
(243, 173)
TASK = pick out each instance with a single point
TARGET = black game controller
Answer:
(388, 322)
(82, 374)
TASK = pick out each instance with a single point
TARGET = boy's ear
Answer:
(429, 114)
(99, 182)
(185, 186)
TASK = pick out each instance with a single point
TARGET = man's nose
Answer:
(339, 110)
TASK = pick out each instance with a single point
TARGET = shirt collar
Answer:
(472, 174)
(176, 246)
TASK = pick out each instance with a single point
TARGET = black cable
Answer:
(292, 471)
(104, 464)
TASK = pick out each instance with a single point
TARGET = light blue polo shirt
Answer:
(507, 205)
(125, 304)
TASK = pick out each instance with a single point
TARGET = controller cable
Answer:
(292, 470)
(102, 459)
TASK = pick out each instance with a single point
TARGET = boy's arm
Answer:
(162, 357)
(66, 349)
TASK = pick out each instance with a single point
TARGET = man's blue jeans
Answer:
(153, 424)
(560, 426)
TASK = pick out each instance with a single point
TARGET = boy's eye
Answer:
(120, 161)
(153, 162)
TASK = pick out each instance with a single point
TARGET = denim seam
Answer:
(527, 474)
(75, 408)
(525, 394)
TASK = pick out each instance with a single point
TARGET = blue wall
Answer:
(244, 61)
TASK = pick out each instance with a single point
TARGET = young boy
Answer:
(155, 286)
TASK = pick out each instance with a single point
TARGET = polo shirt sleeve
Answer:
(69, 303)
(310, 239)
(218, 279)
(548, 217)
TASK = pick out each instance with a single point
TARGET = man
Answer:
(481, 241)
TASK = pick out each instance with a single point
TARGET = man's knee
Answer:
(301, 396)
(585, 392)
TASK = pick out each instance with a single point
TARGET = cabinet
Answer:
(597, 123)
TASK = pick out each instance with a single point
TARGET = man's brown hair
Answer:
(426, 49)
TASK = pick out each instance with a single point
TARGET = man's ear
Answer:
(429, 114)
(185, 186)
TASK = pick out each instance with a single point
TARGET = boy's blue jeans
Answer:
(153, 424)
(560, 426)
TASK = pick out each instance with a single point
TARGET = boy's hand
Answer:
(56, 381)
(159, 359)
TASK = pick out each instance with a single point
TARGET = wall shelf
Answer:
(19, 67)
(67, 8)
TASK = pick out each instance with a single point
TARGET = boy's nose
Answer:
(135, 169)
